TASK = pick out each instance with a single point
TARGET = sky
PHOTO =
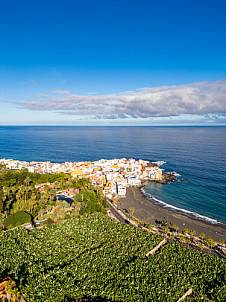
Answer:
(113, 62)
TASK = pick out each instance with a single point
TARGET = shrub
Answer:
(16, 219)
(149, 226)
(67, 216)
(49, 221)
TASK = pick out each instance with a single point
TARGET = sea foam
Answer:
(191, 214)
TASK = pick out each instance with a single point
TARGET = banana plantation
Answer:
(93, 256)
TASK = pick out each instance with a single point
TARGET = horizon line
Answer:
(44, 125)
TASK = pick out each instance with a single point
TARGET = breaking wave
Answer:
(191, 214)
(174, 174)
(159, 163)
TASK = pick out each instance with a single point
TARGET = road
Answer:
(125, 221)
(117, 215)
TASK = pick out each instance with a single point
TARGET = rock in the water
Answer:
(166, 178)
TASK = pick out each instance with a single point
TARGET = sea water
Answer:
(198, 154)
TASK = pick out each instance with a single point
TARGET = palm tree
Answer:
(18, 196)
(27, 181)
(188, 240)
(166, 230)
(182, 238)
(150, 226)
(163, 222)
(185, 231)
(41, 212)
(171, 236)
(64, 204)
(202, 236)
(176, 227)
(49, 209)
(192, 232)
(1, 217)
(23, 194)
(201, 246)
(52, 193)
(222, 242)
(210, 242)
(131, 209)
(56, 184)
(31, 203)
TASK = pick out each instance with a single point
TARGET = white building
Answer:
(133, 181)
(121, 191)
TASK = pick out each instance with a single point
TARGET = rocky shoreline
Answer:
(168, 177)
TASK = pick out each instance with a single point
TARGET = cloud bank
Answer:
(196, 98)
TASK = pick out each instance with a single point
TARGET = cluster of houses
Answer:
(113, 175)
(69, 193)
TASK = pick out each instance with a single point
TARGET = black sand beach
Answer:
(148, 212)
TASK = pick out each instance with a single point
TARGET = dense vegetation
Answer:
(18, 193)
(93, 256)
(17, 219)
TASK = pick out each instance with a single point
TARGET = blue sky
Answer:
(112, 62)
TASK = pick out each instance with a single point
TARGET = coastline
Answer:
(148, 212)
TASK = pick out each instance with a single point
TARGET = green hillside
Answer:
(93, 256)
(40, 196)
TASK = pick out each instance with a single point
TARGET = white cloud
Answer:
(196, 98)
(60, 92)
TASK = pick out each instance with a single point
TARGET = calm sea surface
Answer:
(198, 154)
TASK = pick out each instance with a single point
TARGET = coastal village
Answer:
(113, 175)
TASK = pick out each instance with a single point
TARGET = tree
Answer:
(49, 209)
(188, 240)
(201, 246)
(137, 221)
(27, 181)
(192, 232)
(6, 189)
(150, 226)
(171, 236)
(176, 227)
(185, 231)
(163, 222)
(131, 209)
(1, 200)
(64, 204)
(182, 238)
(202, 236)
(17, 218)
(222, 242)
(41, 212)
(210, 242)
(1, 218)
(166, 230)
(56, 185)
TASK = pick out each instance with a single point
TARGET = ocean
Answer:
(197, 154)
